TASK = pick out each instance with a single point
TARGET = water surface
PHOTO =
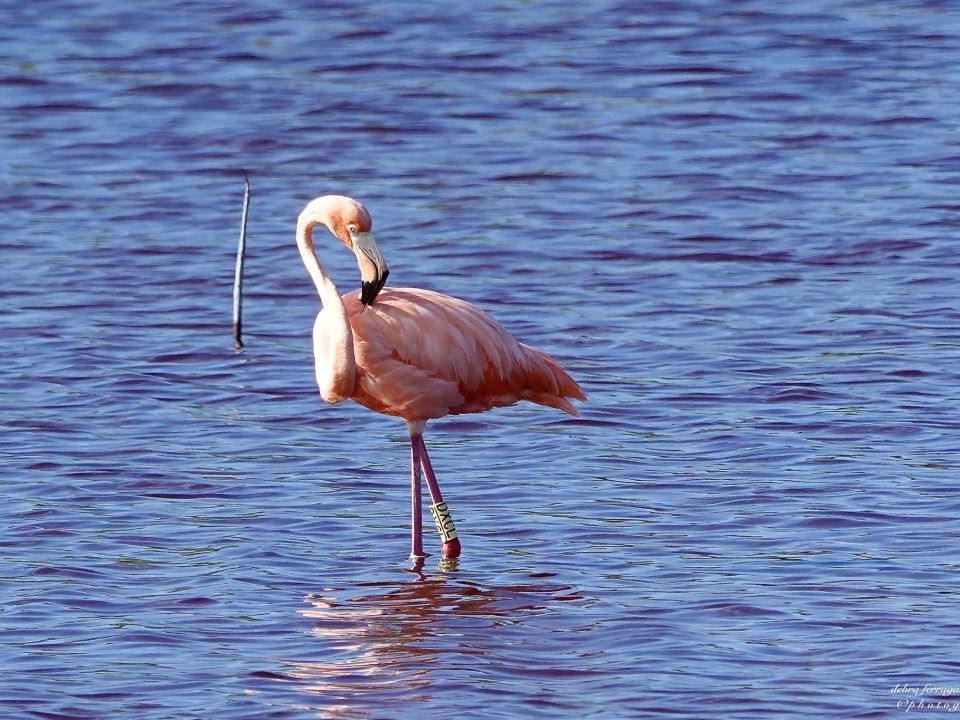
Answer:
(733, 224)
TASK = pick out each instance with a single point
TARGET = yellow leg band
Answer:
(443, 521)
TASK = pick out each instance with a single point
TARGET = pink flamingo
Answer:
(415, 354)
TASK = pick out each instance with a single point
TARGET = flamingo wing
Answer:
(423, 355)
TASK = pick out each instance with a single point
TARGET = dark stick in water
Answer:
(238, 277)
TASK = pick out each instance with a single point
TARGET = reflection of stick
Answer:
(238, 277)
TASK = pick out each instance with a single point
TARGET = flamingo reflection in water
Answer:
(382, 640)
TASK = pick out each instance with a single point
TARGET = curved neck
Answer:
(329, 295)
(334, 358)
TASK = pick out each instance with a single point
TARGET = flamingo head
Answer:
(352, 225)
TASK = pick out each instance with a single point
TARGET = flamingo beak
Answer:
(373, 268)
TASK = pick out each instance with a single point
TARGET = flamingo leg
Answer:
(439, 509)
(416, 516)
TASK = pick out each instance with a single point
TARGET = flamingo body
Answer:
(421, 355)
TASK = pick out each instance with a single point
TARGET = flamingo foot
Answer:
(416, 568)
(451, 549)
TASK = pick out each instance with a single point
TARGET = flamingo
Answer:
(415, 354)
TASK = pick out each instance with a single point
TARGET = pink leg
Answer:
(416, 516)
(441, 514)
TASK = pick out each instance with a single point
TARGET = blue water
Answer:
(733, 223)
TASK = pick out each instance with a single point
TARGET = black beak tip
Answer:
(369, 290)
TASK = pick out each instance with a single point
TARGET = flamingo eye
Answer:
(352, 228)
